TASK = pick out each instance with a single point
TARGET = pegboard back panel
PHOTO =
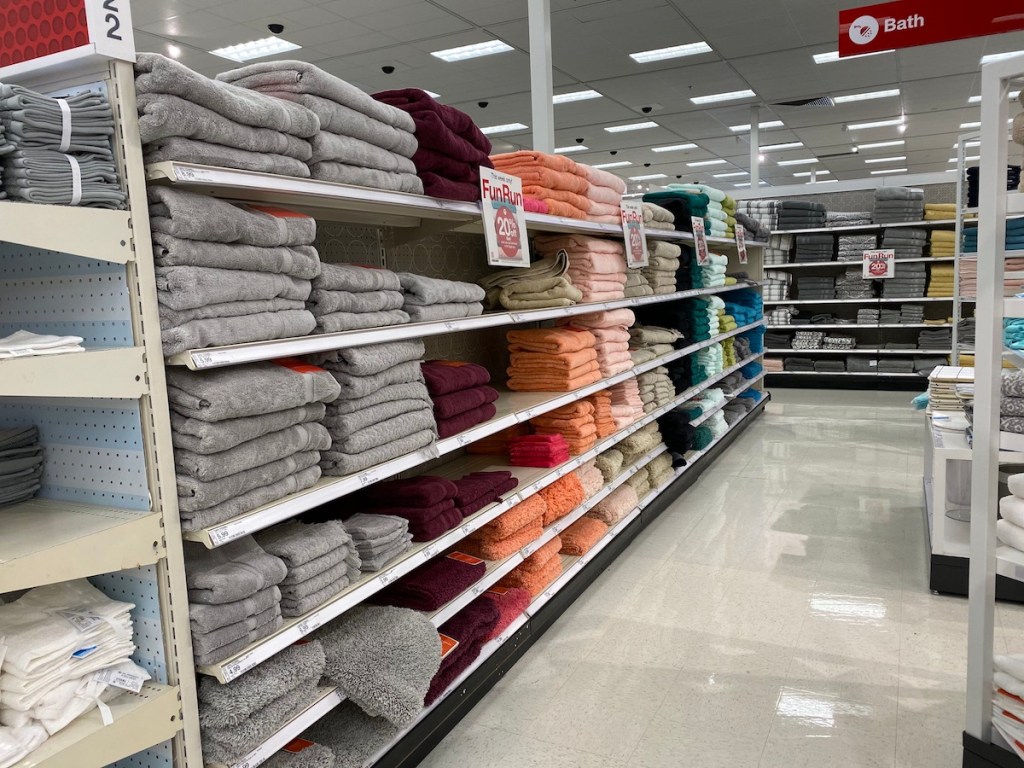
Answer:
(139, 586)
(160, 756)
(93, 449)
(48, 292)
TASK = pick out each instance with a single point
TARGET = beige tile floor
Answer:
(776, 615)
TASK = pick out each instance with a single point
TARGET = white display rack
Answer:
(92, 233)
(859, 351)
(864, 227)
(900, 300)
(807, 264)
(858, 326)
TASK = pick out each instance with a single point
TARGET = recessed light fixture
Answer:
(888, 170)
(866, 96)
(649, 176)
(780, 147)
(255, 49)
(674, 52)
(802, 161)
(830, 56)
(881, 144)
(964, 126)
(824, 181)
(970, 159)
(968, 144)
(565, 98)
(747, 184)
(506, 128)
(899, 159)
(619, 164)
(732, 175)
(813, 173)
(463, 52)
(673, 148)
(764, 125)
(977, 99)
(631, 126)
(1000, 56)
(702, 163)
(877, 124)
(573, 148)
(728, 96)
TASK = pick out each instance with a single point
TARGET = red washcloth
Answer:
(510, 602)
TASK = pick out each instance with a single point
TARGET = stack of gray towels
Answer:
(828, 365)
(778, 249)
(814, 247)
(228, 274)
(810, 287)
(346, 298)
(21, 464)
(847, 218)
(237, 717)
(429, 299)
(852, 285)
(383, 411)
(378, 539)
(965, 331)
(321, 559)
(359, 140)
(935, 339)
(233, 597)
(764, 212)
(774, 340)
(907, 242)
(57, 150)
(755, 230)
(925, 364)
(909, 282)
(798, 365)
(894, 205)
(663, 263)
(5, 149)
(868, 316)
(852, 247)
(895, 365)
(911, 314)
(861, 364)
(890, 316)
(800, 214)
(187, 117)
(245, 436)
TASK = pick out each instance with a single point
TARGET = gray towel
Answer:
(175, 318)
(212, 437)
(350, 423)
(300, 261)
(199, 494)
(245, 502)
(367, 527)
(337, 322)
(337, 118)
(346, 277)
(299, 606)
(334, 575)
(373, 358)
(422, 291)
(221, 331)
(207, 644)
(229, 745)
(383, 433)
(338, 463)
(340, 173)
(46, 176)
(253, 453)
(34, 120)
(207, 618)
(334, 146)
(380, 559)
(247, 390)
(325, 302)
(352, 736)
(158, 74)
(361, 386)
(413, 390)
(242, 643)
(436, 312)
(306, 756)
(899, 193)
(383, 658)
(192, 216)
(178, 149)
(235, 571)
(298, 574)
(301, 543)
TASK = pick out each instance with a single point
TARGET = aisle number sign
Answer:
(700, 239)
(634, 234)
(879, 265)
(741, 243)
(501, 198)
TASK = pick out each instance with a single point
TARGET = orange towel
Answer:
(538, 570)
(542, 556)
(552, 185)
(562, 497)
(555, 162)
(531, 508)
(558, 208)
(572, 411)
(579, 537)
(498, 549)
(530, 382)
(551, 340)
(563, 361)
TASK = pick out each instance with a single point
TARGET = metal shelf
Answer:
(873, 300)
(141, 720)
(116, 373)
(44, 541)
(862, 326)
(863, 227)
(92, 233)
(860, 351)
(844, 373)
(801, 265)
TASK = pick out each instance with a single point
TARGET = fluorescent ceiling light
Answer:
(899, 159)
(255, 49)
(970, 125)
(813, 173)
(866, 96)
(635, 194)
(966, 159)
(631, 126)
(702, 163)
(732, 175)
(880, 144)
(804, 161)
(786, 145)
(174, 51)
(565, 98)
(675, 52)
(619, 164)
(977, 99)
(888, 170)
(463, 52)
(876, 124)
(747, 184)
(649, 176)
(673, 148)
(729, 96)
(824, 181)
(764, 125)
(830, 56)
(1000, 56)
(573, 148)
(968, 144)
(506, 128)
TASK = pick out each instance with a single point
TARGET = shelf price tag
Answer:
(879, 265)
(634, 234)
(700, 239)
(741, 243)
(504, 219)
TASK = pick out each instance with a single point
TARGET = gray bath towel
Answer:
(336, 322)
(235, 571)
(338, 463)
(304, 756)
(212, 437)
(350, 423)
(158, 74)
(250, 500)
(254, 453)
(191, 216)
(352, 736)
(221, 331)
(247, 390)
(229, 745)
(333, 575)
(207, 618)
(373, 358)
(383, 433)
(361, 386)
(340, 173)
(899, 193)
(175, 318)
(334, 146)
(379, 560)
(383, 658)
(300, 261)
(299, 606)
(345, 277)
(198, 494)
(414, 390)
(325, 302)
(300, 573)
(231, 649)
(337, 118)
(46, 176)
(178, 149)
(435, 312)
(162, 115)
(367, 527)
(300, 543)
(422, 291)
(207, 644)
(377, 545)
(34, 120)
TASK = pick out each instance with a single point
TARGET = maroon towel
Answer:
(428, 530)
(444, 378)
(470, 627)
(447, 406)
(441, 122)
(438, 186)
(510, 602)
(432, 585)
(497, 488)
(476, 484)
(429, 160)
(464, 421)
(422, 491)
(415, 515)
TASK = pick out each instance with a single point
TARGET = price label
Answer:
(504, 219)
(309, 625)
(633, 233)
(239, 667)
(741, 243)
(126, 680)
(430, 551)
(191, 174)
(515, 317)
(528, 549)
(463, 439)
(387, 577)
(467, 529)
(699, 239)
(450, 326)
(369, 477)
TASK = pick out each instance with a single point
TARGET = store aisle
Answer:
(776, 615)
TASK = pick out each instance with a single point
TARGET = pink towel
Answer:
(605, 219)
(608, 319)
(603, 209)
(533, 205)
(612, 348)
(599, 177)
(610, 335)
(596, 261)
(603, 195)
(583, 243)
(591, 286)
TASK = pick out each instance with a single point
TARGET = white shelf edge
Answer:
(845, 373)
(104, 373)
(873, 300)
(801, 265)
(91, 233)
(860, 351)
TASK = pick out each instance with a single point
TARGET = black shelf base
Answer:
(948, 575)
(979, 754)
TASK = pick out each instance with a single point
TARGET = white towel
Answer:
(1016, 484)
(1012, 509)
(1010, 534)
(1012, 664)
(26, 343)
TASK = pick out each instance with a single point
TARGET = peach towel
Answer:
(551, 340)
(529, 156)
(535, 383)
(579, 244)
(579, 537)
(610, 318)
(590, 478)
(602, 178)
(490, 548)
(564, 361)
(616, 505)
(562, 497)
(531, 508)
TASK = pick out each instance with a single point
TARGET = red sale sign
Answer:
(908, 23)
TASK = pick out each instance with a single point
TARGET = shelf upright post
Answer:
(541, 83)
(961, 169)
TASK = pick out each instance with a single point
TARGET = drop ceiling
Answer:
(762, 45)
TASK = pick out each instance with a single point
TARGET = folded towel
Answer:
(234, 571)
(434, 584)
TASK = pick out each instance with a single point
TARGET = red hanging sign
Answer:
(908, 23)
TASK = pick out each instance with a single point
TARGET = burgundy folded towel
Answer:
(415, 515)
(470, 627)
(447, 406)
(429, 160)
(438, 186)
(443, 378)
(432, 585)
(428, 530)
(464, 421)
(496, 488)
(422, 491)
(437, 122)
(510, 602)
(476, 484)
